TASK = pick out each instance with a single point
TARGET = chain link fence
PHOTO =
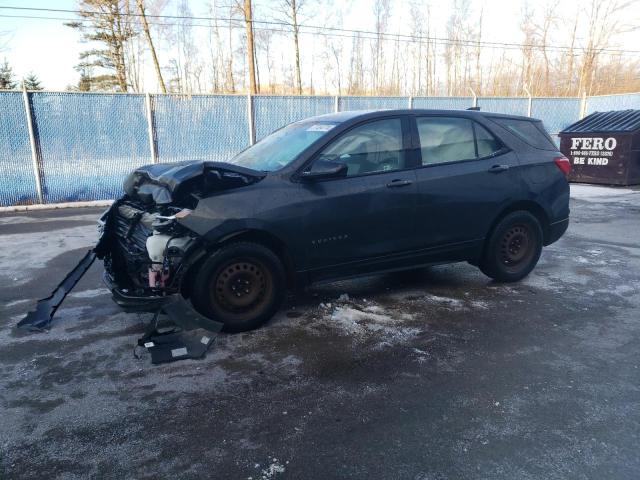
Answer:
(60, 147)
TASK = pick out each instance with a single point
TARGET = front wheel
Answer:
(513, 248)
(241, 285)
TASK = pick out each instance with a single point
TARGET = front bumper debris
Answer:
(179, 343)
(41, 317)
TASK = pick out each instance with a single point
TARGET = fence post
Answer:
(336, 104)
(34, 147)
(530, 102)
(151, 132)
(410, 102)
(475, 97)
(583, 105)
(251, 120)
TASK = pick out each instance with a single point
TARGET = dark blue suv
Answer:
(337, 196)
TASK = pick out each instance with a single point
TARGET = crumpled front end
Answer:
(149, 249)
(145, 249)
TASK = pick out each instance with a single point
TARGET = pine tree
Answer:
(106, 25)
(32, 82)
(6, 77)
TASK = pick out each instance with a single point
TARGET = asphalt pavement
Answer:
(438, 373)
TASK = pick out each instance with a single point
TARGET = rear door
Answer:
(467, 176)
(370, 212)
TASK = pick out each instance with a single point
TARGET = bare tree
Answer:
(290, 10)
(382, 12)
(604, 22)
(154, 55)
(245, 7)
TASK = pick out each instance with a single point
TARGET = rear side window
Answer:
(445, 139)
(450, 139)
(487, 143)
(531, 132)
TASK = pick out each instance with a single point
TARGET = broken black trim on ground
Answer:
(41, 318)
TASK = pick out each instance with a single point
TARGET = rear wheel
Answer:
(513, 248)
(241, 285)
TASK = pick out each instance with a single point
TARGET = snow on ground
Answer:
(365, 322)
(13, 220)
(598, 193)
(27, 252)
(272, 470)
(90, 293)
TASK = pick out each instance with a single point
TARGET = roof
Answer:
(616, 121)
(352, 114)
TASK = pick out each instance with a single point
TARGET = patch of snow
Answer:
(90, 293)
(21, 254)
(452, 303)
(344, 297)
(479, 304)
(599, 193)
(272, 470)
(16, 302)
(371, 322)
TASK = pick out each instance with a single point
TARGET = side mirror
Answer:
(321, 169)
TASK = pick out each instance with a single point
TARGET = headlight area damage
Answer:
(146, 252)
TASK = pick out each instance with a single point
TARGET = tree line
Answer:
(304, 47)
(8, 79)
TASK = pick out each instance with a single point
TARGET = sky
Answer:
(50, 50)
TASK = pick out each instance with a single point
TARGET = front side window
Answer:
(372, 147)
(282, 147)
(444, 139)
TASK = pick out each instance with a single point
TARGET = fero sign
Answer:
(604, 148)
(592, 151)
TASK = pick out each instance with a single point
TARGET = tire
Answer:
(513, 248)
(241, 285)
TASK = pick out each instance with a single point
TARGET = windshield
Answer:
(281, 147)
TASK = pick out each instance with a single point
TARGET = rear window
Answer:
(531, 132)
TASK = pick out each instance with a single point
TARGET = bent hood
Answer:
(165, 183)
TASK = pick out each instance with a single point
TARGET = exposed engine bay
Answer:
(148, 248)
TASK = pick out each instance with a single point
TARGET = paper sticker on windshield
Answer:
(320, 127)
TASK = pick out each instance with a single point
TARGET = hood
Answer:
(166, 183)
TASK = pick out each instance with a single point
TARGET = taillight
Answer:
(563, 164)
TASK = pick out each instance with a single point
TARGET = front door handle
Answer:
(399, 183)
(499, 168)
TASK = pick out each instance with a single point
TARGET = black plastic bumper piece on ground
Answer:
(174, 306)
(41, 317)
(182, 313)
(172, 346)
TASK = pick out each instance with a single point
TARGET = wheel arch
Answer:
(530, 206)
(268, 240)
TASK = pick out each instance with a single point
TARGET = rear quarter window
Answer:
(531, 132)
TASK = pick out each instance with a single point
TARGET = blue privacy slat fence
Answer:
(273, 112)
(85, 143)
(211, 127)
(88, 143)
(17, 179)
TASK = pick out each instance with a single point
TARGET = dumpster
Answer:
(604, 147)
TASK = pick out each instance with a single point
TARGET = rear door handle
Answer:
(399, 183)
(499, 168)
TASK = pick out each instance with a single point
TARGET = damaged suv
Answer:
(336, 196)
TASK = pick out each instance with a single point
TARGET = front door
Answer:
(369, 213)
